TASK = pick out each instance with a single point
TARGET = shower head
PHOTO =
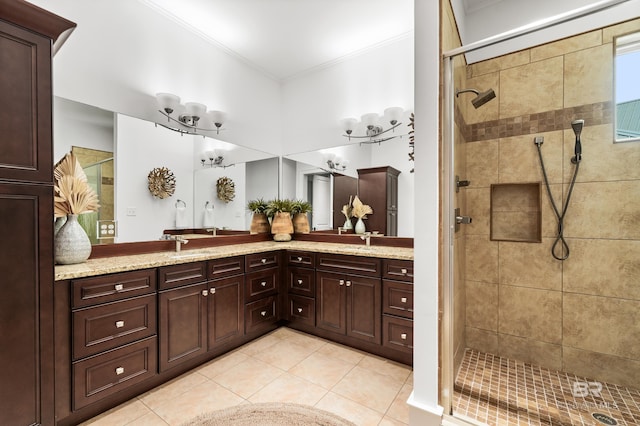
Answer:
(481, 97)
(577, 126)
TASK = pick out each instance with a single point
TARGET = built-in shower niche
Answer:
(516, 213)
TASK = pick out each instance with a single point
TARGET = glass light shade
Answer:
(331, 157)
(167, 101)
(370, 119)
(216, 117)
(393, 114)
(344, 163)
(195, 109)
(348, 124)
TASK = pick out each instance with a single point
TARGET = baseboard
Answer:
(424, 415)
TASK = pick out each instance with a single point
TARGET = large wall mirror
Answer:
(627, 90)
(117, 153)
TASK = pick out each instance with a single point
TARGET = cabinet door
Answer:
(226, 311)
(330, 302)
(183, 314)
(364, 308)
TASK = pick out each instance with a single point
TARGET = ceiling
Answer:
(284, 38)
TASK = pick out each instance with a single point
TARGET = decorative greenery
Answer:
(258, 205)
(301, 206)
(360, 210)
(278, 206)
(72, 193)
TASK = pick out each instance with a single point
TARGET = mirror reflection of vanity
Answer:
(139, 146)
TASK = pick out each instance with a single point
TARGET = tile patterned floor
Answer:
(501, 391)
(283, 366)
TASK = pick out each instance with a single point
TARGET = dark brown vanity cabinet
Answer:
(225, 317)
(378, 187)
(27, 33)
(397, 305)
(262, 284)
(348, 296)
(300, 278)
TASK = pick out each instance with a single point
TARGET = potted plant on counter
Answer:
(281, 224)
(300, 210)
(259, 220)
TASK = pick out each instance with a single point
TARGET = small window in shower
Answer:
(516, 214)
(627, 89)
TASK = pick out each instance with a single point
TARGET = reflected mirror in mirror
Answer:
(138, 146)
(303, 173)
(627, 90)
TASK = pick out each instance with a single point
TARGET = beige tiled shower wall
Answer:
(451, 40)
(581, 315)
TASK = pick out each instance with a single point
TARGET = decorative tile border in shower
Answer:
(501, 391)
(560, 119)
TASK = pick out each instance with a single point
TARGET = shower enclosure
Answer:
(528, 338)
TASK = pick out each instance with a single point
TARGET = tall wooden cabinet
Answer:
(26, 209)
(378, 187)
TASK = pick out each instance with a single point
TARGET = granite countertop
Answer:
(108, 265)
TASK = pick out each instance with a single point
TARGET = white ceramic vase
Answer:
(72, 245)
(347, 224)
(360, 227)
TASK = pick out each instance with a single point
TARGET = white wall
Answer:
(262, 182)
(229, 215)
(140, 148)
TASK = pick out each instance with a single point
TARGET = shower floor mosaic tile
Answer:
(501, 391)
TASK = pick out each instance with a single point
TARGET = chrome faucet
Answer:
(179, 241)
(341, 230)
(214, 231)
(367, 238)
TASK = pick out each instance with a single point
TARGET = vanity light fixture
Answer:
(374, 130)
(336, 164)
(190, 118)
(213, 159)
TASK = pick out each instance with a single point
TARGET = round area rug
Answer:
(269, 414)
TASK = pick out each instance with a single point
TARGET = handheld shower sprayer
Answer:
(577, 126)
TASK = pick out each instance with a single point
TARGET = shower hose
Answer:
(559, 242)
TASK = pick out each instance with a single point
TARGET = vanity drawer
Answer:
(368, 266)
(401, 270)
(183, 274)
(301, 258)
(225, 267)
(109, 288)
(260, 284)
(302, 281)
(99, 376)
(397, 333)
(259, 261)
(397, 298)
(260, 314)
(302, 310)
(107, 326)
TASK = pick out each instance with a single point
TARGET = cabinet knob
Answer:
(212, 291)
(119, 324)
(263, 313)
(299, 310)
(205, 292)
(403, 336)
(341, 282)
(403, 299)
(299, 259)
(120, 370)
(119, 287)
(300, 282)
(403, 271)
(348, 283)
(263, 283)
(263, 261)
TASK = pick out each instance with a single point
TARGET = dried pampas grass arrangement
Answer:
(72, 193)
(360, 210)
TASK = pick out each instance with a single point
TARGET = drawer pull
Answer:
(403, 299)
(300, 282)
(263, 313)
(299, 310)
(205, 292)
(212, 291)
(348, 283)
(403, 336)
(119, 287)
(403, 271)
(299, 259)
(341, 282)
(263, 283)
(263, 261)
(119, 324)
(119, 371)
